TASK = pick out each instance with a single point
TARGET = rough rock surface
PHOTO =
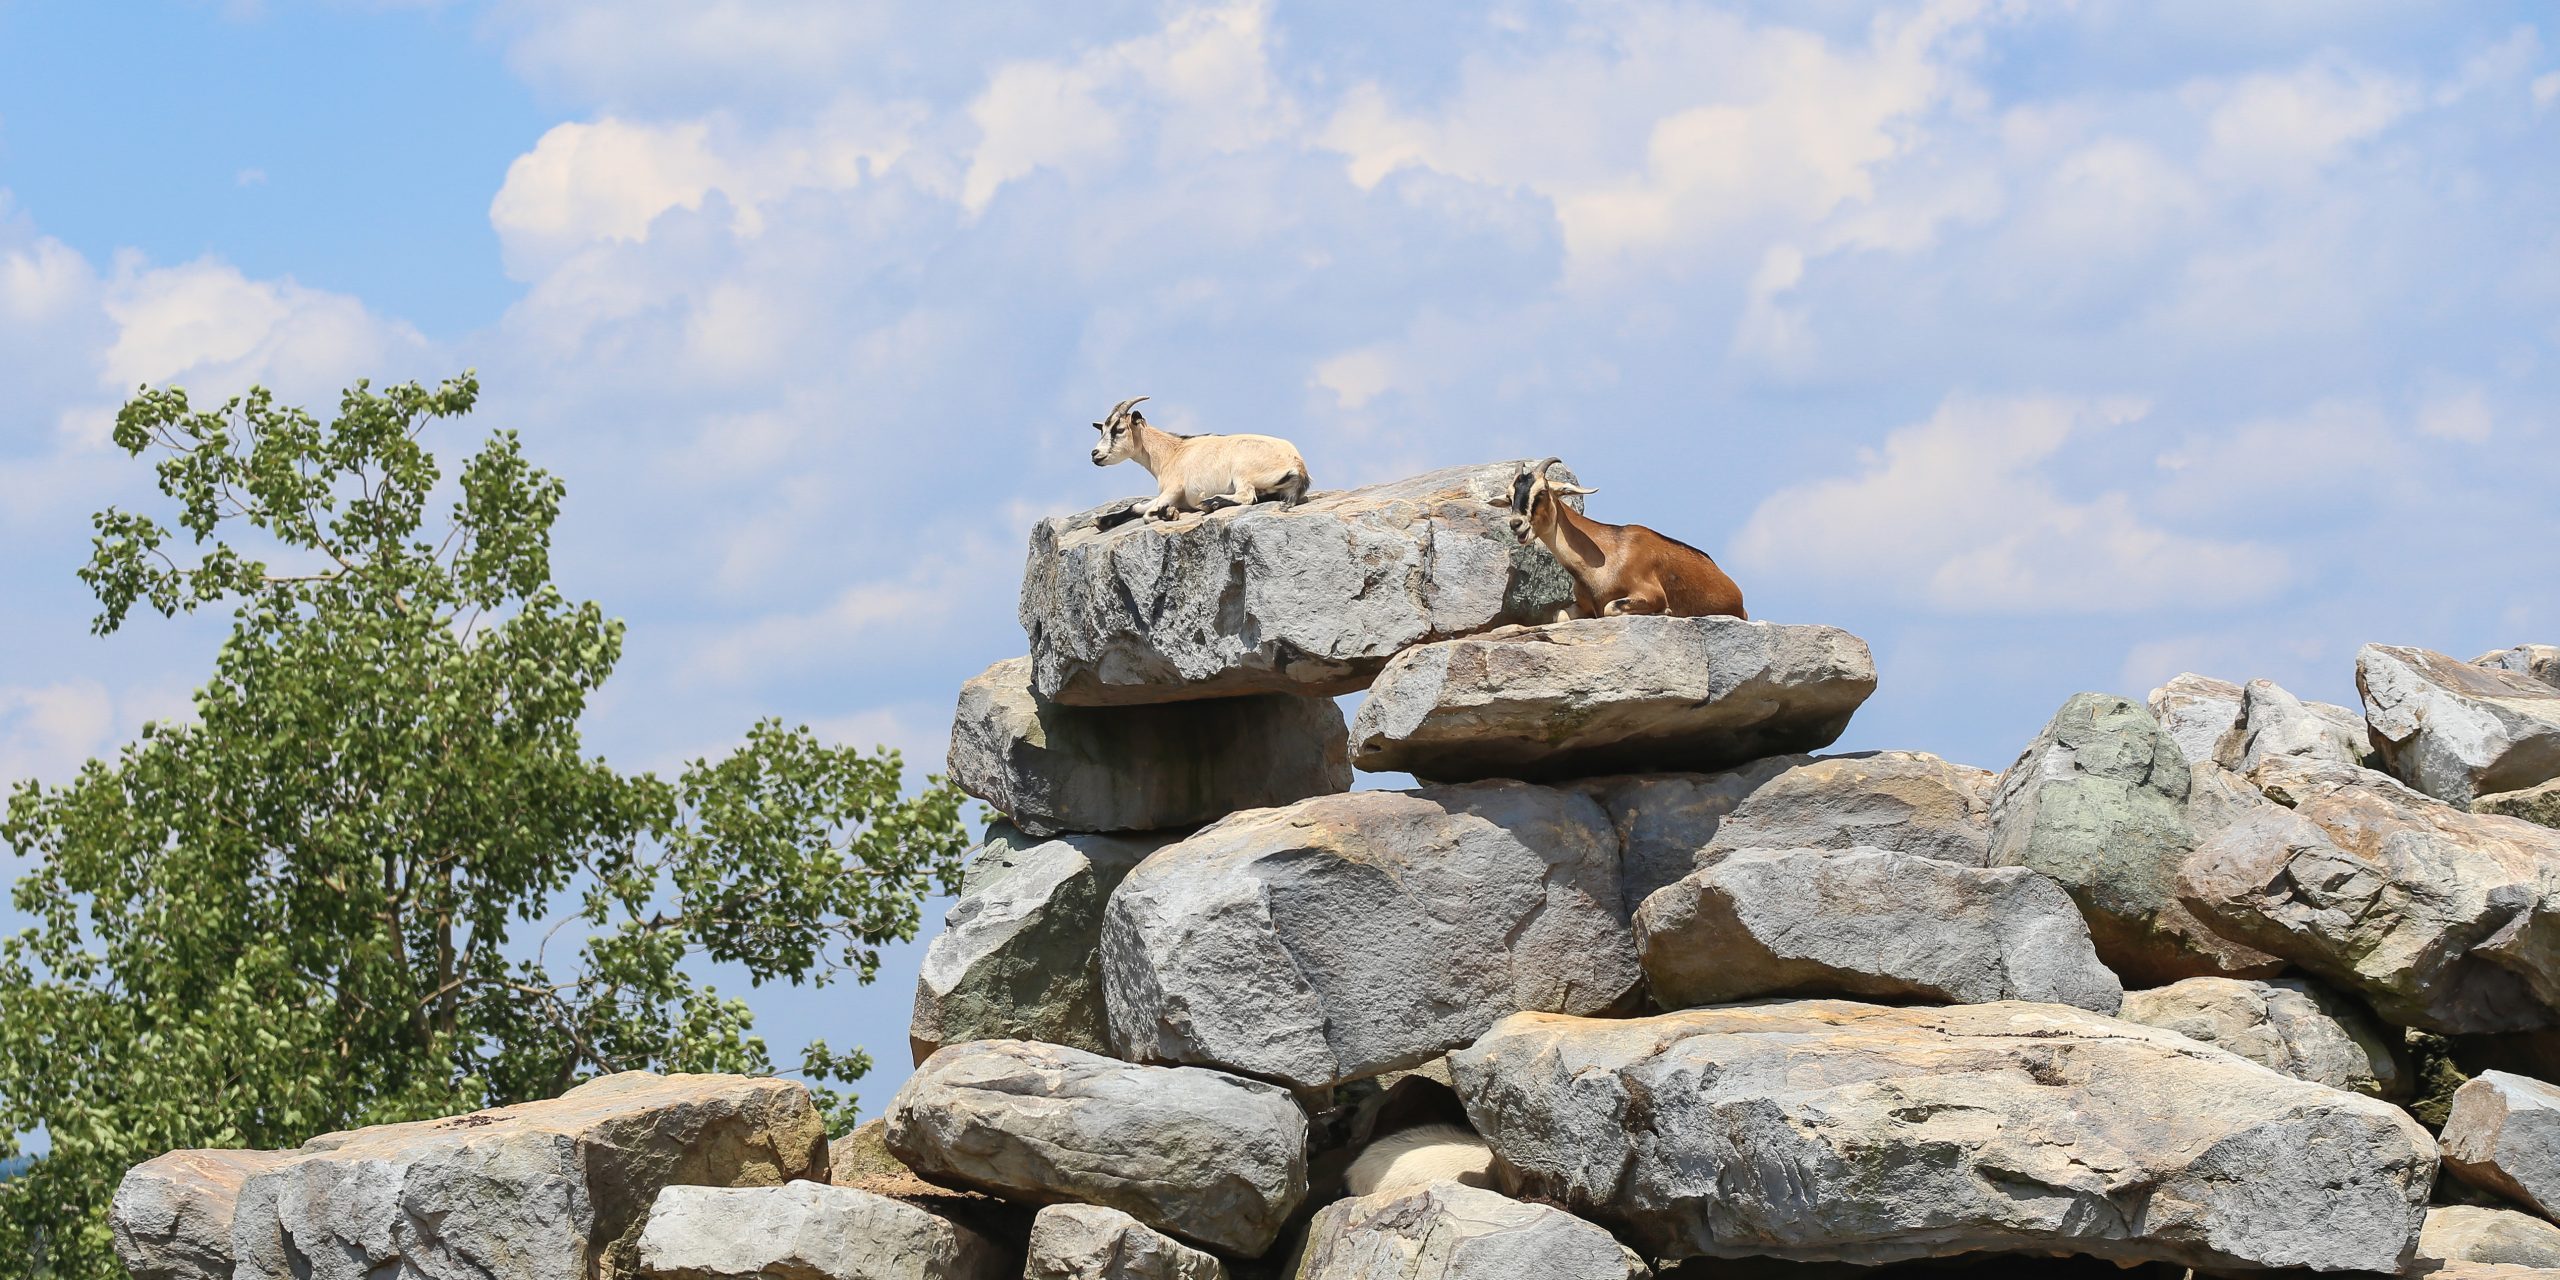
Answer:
(2538, 805)
(2461, 1233)
(1019, 955)
(553, 1190)
(1834, 1131)
(2440, 919)
(1216, 1159)
(2540, 661)
(2099, 803)
(809, 1231)
(1444, 1231)
(1611, 695)
(2274, 723)
(172, 1215)
(1867, 922)
(2199, 713)
(1665, 819)
(1089, 1242)
(1311, 599)
(1348, 935)
(1907, 801)
(2458, 731)
(1052, 768)
(2504, 1136)
(2284, 1024)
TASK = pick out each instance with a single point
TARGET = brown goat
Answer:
(1617, 568)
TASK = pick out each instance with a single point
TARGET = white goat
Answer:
(1201, 473)
(1418, 1156)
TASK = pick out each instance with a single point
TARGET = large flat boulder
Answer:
(2284, 1024)
(1445, 1231)
(1867, 922)
(2440, 919)
(1089, 1242)
(2462, 1233)
(1664, 820)
(553, 1190)
(2099, 802)
(1050, 768)
(1833, 1131)
(1907, 801)
(1019, 957)
(171, 1216)
(2503, 1136)
(2273, 722)
(2458, 731)
(1216, 1159)
(1350, 935)
(2539, 661)
(809, 1231)
(1310, 599)
(1611, 695)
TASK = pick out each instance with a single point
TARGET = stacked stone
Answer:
(2157, 994)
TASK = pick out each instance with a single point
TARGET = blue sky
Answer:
(2049, 346)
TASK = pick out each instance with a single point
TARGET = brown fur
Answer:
(1619, 568)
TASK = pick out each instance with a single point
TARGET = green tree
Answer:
(377, 879)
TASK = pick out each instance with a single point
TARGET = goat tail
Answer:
(1293, 488)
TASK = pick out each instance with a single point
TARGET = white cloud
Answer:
(47, 731)
(2462, 416)
(2546, 88)
(2285, 123)
(208, 326)
(1960, 514)
(1356, 377)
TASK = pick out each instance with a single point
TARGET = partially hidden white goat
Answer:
(1418, 1156)
(1201, 473)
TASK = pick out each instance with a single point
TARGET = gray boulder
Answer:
(809, 1231)
(2461, 1233)
(1350, 935)
(2540, 661)
(1311, 599)
(2458, 731)
(2274, 723)
(2199, 713)
(2538, 805)
(1216, 1159)
(1832, 1131)
(1444, 1231)
(2503, 1136)
(2099, 803)
(1052, 768)
(552, 1190)
(1019, 957)
(1089, 1242)
(2440, 919)
(1867, 922)
(171, 1216)
(1611, 695)
(1664, 820)
(1907, 801)
(2283, 1024)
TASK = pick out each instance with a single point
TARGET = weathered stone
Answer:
(1348, 935)
(2540, 661)
(552, 1190)
(2099, 803)
(1216, 1159)
(1089, 1242)
(1664, 820)
(1867, 922)
(2457, 731)
(1833, 1131)
(171, 1215)
(2538, 805)
(2461, 1233)
(1019, 956)
(1611, 695)
(2283, 1024)
(2487, 1271)
(863, 1154)
(809, 1231)
(2274, 723)
(2199, 713)
(2440, 919)
(1907, 801)
(1310, 599)
(2504, 1136)
(1052, 768)
(1445, 1231)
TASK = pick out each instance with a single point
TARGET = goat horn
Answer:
(1540, 470)
(1123, 406)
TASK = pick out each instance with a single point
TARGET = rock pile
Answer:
(1705, 1004)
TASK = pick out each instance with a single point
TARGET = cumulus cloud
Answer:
(47, 730)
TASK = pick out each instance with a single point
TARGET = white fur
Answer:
(1425, 1154)
(1201, 473)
